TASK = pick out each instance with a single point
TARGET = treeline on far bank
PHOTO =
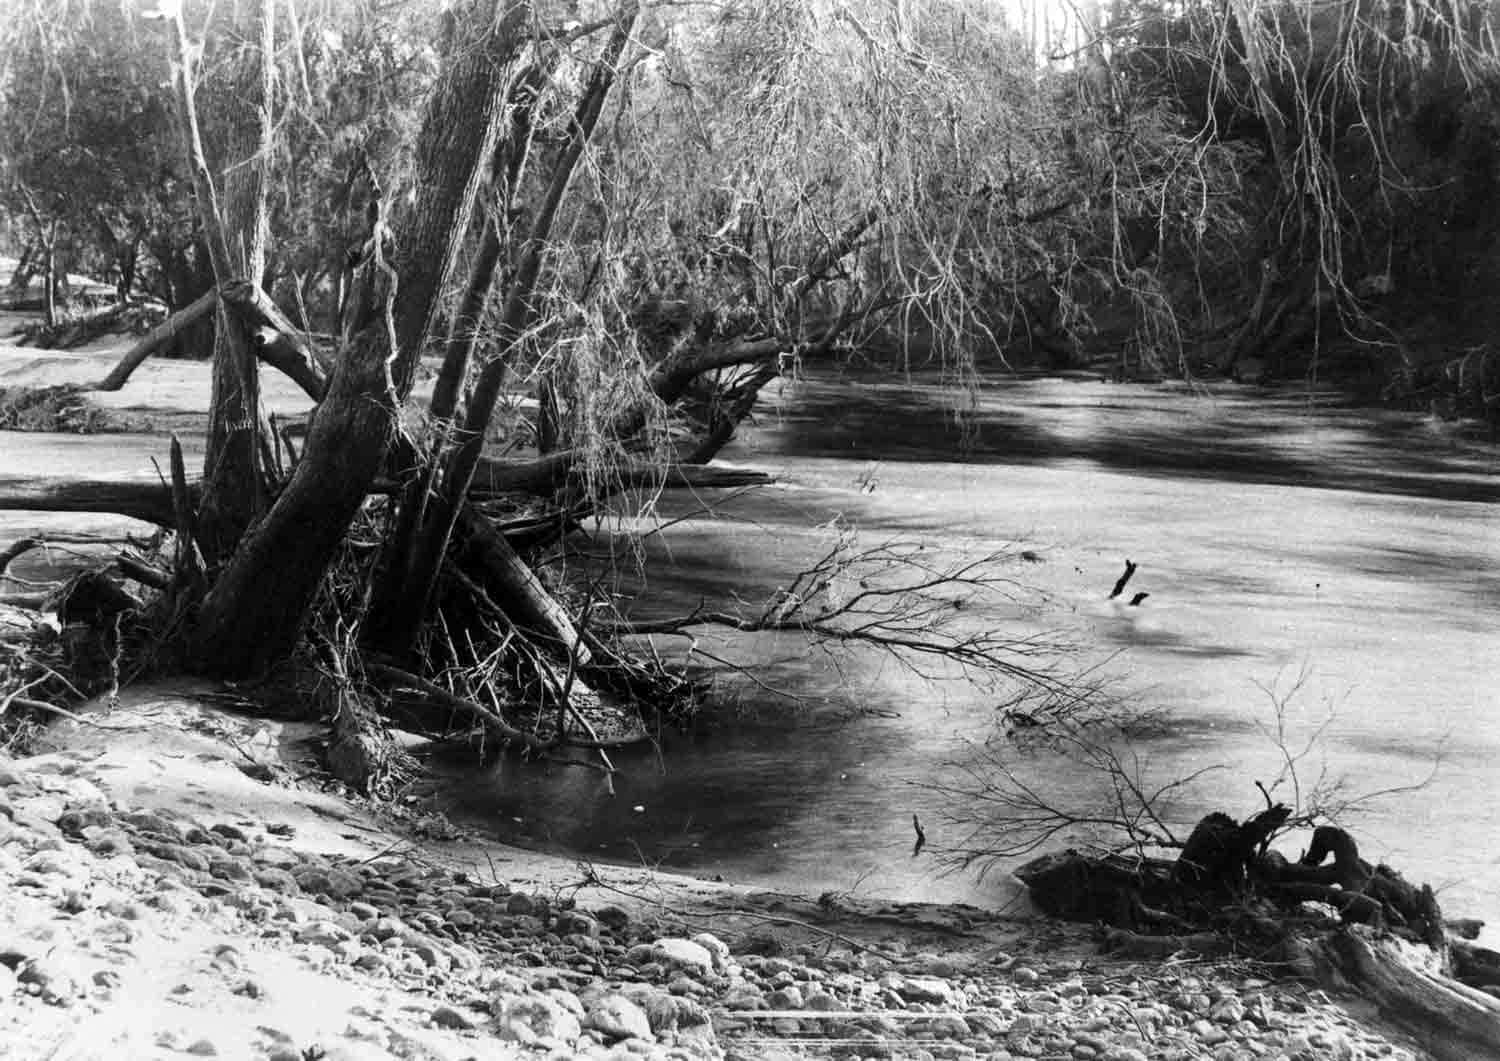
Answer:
(1270, 190)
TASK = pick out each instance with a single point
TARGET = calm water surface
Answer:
(1279, 536)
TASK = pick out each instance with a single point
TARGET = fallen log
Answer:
(1400, 960)
(152, 502)
(145, 501)
(545, 476)
(1452, 1021)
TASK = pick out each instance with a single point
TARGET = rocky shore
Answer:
(168, 891)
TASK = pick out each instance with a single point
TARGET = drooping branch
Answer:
(834, 252)
(244, 624)
(276, 340)
(156, 338)
(420, 575)
(671, 379)
(729, 409)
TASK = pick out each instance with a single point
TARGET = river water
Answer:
(1283, 537)
(1346, 560)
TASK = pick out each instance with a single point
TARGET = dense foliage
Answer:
(1177, 195)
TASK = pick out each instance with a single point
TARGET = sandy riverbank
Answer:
(181, 879)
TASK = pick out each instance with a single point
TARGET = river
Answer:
(1343, 559)
(1281, 535)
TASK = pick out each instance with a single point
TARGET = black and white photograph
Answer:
(750, 530)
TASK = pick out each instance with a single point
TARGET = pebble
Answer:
(496, 968)
(529, 1018)
(617, 1017)
(448, 1017)
(684, 953)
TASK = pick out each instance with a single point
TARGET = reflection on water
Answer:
(1274, 532)
(1275, 536)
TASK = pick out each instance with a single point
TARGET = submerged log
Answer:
(152, 501)
(545, 476)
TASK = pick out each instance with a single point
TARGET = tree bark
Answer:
(235, 491)
(276, 339)
(1452, 1021)
(509, 161)
(145, 501)
(431, 543)
(254, 614)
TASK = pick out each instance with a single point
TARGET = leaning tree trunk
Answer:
(234, 484)
(253, 615)
(413, 577)
(511, 153)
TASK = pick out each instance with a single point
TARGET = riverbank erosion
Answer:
(180, 879)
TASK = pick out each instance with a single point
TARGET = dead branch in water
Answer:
(903, 598)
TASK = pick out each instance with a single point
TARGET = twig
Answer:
(42, 705)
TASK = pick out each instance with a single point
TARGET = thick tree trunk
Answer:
(253, 616)
(235, 489)
(419, 561)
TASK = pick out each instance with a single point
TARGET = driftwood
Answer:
(1218, 853)
(151, 502)
(1453, 1021)
(1228, 894)
(1476, 966)
(546, 475)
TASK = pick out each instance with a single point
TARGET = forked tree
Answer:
(641, 216)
